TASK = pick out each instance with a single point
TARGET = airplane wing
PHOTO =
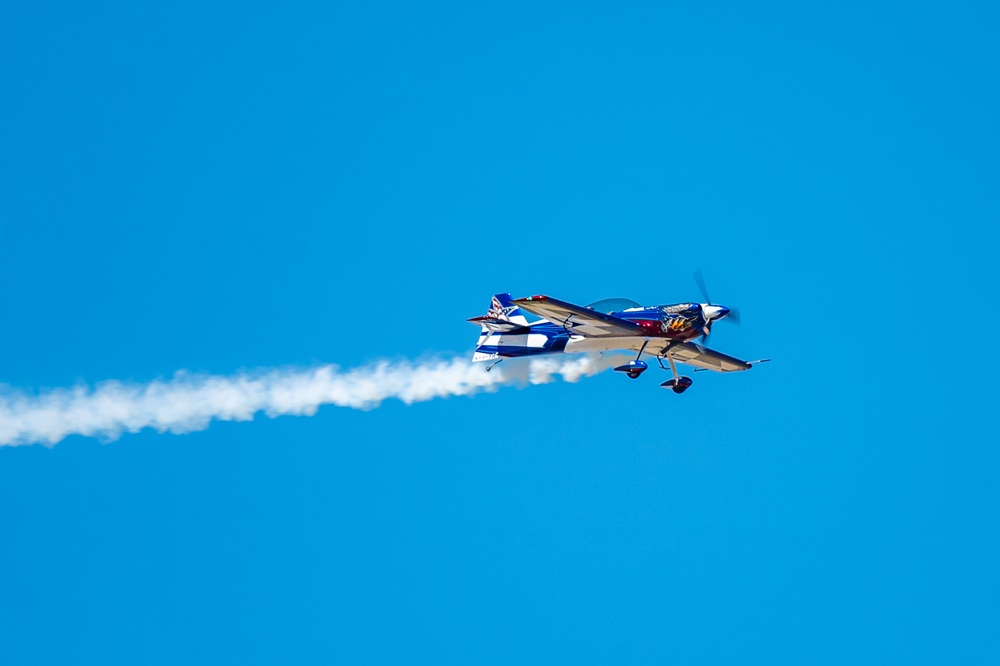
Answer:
(705, 358)
(577, 319)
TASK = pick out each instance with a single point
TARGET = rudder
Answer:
(502, 307)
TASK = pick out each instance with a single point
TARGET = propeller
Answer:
(732, 314)
(699, 279)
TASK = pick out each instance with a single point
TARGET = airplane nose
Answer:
(713, 312)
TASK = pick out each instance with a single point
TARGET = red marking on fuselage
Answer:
(672, 328)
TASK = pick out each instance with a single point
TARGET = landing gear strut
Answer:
(678, 384)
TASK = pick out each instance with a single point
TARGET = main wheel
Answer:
(633, 368)
(678, 385)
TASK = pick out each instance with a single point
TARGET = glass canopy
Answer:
(609, 305)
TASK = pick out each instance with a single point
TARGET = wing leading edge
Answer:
(578, 320)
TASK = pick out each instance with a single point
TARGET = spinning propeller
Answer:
(711, 312)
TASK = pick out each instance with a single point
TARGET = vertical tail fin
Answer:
(502, 307)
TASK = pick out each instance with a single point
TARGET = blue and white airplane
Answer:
(664, 331)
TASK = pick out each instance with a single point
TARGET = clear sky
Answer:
(216, 187)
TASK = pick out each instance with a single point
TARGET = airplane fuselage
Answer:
(666, 332)
(682, 322)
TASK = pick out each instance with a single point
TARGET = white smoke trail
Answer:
(189, 402)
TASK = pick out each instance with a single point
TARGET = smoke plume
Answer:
(189, 402)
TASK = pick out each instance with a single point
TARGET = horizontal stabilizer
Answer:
(498, 325)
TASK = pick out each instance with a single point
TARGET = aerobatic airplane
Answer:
(665, 331)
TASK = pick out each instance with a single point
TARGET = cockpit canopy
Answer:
(609, 305)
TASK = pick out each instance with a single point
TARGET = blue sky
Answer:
(218, 187)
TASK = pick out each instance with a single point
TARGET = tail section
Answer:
(485, 356)
(502, 307)
(503, 316)
(506, 333)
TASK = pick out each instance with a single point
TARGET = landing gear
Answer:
(678, 384)
(633, 369)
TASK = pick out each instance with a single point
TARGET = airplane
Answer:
(665, 331)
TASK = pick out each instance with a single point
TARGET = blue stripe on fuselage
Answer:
(556, 339)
